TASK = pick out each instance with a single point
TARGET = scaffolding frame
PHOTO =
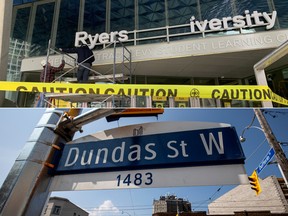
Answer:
(126, 63)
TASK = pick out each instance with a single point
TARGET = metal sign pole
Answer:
(27, 184)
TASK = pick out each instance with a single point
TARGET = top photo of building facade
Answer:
(174, 42)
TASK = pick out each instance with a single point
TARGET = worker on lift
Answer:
(85, 58)
(47, 76)
(48, 72)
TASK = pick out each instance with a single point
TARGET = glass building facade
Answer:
(147, 22)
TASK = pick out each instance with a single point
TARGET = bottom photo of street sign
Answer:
(160, 154)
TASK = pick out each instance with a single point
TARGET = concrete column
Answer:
(6, 7)
(261, 80)
(259, 67)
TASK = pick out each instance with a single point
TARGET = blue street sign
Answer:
(202, 147)
(265, 160)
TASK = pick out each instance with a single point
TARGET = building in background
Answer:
(273, 198)
(191, 42)
(63, 207)
(171, 204)
(240, 201)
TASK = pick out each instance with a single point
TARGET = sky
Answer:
(18, 124)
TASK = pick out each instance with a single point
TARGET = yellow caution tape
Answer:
(236, 92)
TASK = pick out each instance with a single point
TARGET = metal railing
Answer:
(183, 29)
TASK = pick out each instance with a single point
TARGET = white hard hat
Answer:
(43, 62)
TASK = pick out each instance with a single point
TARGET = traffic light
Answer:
(254, 181)
(72, 113)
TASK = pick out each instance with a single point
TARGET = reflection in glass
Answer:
(21, 23)
(18, 47)
(180, 11)
(94, 16)
(68, 23)
(122, 15)
(215, 9)
(282, 15)
(151, 14)
(42, 29)
(260, 6)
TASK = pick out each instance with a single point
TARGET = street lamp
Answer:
(242, 138)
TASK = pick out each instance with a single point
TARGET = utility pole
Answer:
(279, 154)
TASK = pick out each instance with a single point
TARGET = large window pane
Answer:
(151, 14)
(215, 9)
(122, 15)
(180, 11)
(282, 15)
(21, 23)
(68, 23)
(42, 29)
(94, 16)
(17, 48)
(260, 6)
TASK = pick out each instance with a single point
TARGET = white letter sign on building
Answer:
(102, 38)
(175, 154)
(240, 21)
(247, 20)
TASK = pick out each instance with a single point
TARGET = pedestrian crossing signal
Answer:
(254, 181)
